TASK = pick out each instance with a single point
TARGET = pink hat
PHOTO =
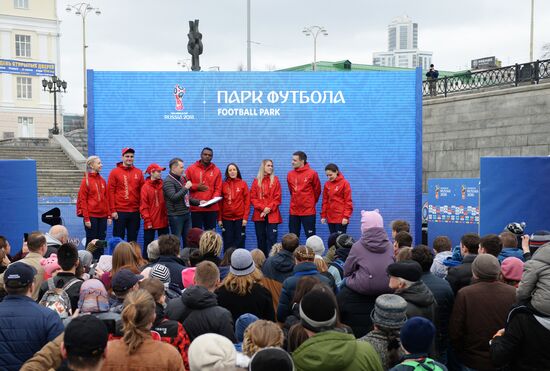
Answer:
(50, 265)
(512, 269)
(371, 219)
(188, 277)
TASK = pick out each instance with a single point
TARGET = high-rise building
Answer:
(29, 42)
(403, 47)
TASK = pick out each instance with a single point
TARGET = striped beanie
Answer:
(161, 272)
(538, 239)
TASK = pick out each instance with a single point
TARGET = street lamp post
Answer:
(82, 9)
(315, 31)
(54, 86)
(532, 30)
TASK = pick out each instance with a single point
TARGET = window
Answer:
(22, 46)
(391, 39)
(415, 35)
(21, 4)
(26, 126)
(403, 37)
(8, 135)
(24, 88)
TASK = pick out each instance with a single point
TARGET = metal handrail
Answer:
(514, 75)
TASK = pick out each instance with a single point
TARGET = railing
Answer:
(506, 76)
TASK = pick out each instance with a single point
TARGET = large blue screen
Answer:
(369, 124)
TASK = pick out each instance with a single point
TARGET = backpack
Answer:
(427, 365)
(57, 299)
(338, 264)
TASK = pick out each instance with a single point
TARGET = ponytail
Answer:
(394, 346)
(89, 163)
(137, 315)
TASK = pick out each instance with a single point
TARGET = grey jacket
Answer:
(174, 196)
(535, 282)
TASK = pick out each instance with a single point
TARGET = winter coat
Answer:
(337, 203)
(280, 266)
(535, 282)
(507, 252)
(289, 287)
(336, 266)
(438, 268)
(336, 351)
(425, 363)
(25, 327)
(268, 195)
(60, 280)
(172, 332)
(444, 298)
(305, 188)
(124, 187)
(420, 301)
(152, 206)
(151, 355)
(211, 177)
(199, 313)
(176, 196)
(235, 204)
(175, 265)
(480, 310)
(379, 341)
(355, 310)
(92, 200)
(49, 357)
(524, 345)
(257, 302)
(461, 275)
(368, 260)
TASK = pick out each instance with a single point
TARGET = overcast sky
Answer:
(147, 35)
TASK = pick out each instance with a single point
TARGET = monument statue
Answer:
(194, 46)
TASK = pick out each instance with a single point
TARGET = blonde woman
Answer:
(210, 247)
(92, 202)
(137, 349)
(241, 291)
(262, 334)
(265, 196)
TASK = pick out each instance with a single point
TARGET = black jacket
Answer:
(461, 276)
(355, 310)
(174, 196)
(60, 280)
(199, 313)
(258, 302)
(445, 298)
(175, 265)
(420, 301)
(280, 266)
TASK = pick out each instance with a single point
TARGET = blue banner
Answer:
(26, 68)
(453, 208)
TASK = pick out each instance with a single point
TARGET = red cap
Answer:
(154, 167)
(127, 149)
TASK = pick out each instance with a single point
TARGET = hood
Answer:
(121, 166)
(199, 164)
(544, 321)
(376, 240)
(303, 168)
(154, 183)
(418, 294)
(507, 252)
(170, 259)
(51, 241)
(305, 267)
(198, 297)
(543, 254)
(326, 351)
(283, 262)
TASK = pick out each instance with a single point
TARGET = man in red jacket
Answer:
(207, 184)
(305, 188)
(124, 187)
(153, 207)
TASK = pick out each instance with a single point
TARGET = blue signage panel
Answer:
(453, 208)
(26, 68)
(369, 124)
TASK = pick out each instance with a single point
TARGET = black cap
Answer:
(124, 280)
(409, 270)
(86, 336)
(271, 359)
(19, 275)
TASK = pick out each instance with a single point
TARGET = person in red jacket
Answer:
(337, 205)
(234, 208)
(153, 207)
(207, 184)
(305, 188)
(265, 196)
(93, 202)
(124, 186)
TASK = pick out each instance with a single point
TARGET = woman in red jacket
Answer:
(92, 202)
(337, 204)
(234, 208)
(265, 196)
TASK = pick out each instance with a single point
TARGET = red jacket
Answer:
(92, 198)
(268, 195)
(337, 203)
(236, 200)
(305, 188)
(152, 206)
(124, 188)
(210, 176)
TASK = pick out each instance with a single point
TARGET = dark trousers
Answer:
(149, 236)
(180, 225)
(337, 228)
(234, 234)
(205, 220)
(127, 225)
(295, 223)
(266, 235)
(97, 230)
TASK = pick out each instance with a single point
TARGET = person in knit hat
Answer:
(161, 272)
(343, 244)
(211, 352)
(511, 271)
(241, 324)
(417, 335)
(316, 244)
(534, 288)
(533, 242)
(479, 311)
(271, 359)
(388, 316)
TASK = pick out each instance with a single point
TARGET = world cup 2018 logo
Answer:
(179, 92)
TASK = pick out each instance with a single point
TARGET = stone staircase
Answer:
(56, 173)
